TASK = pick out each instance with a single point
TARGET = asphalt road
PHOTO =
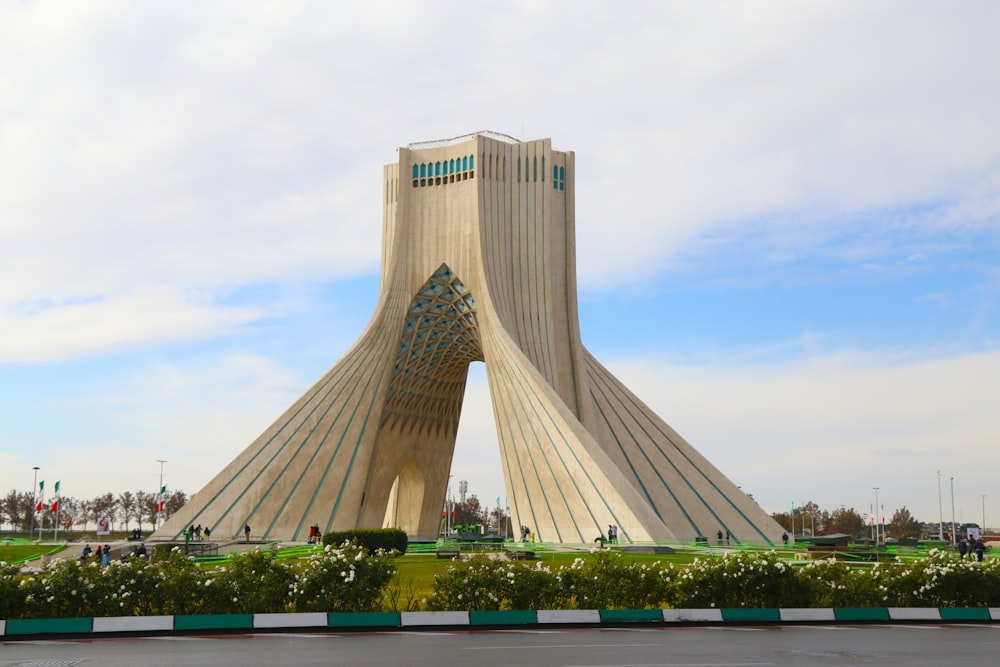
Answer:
(918, 646)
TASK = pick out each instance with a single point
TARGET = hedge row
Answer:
(349, 579)
(344, 579)
(373, 539)
(605, 580)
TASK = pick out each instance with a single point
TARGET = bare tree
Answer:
(126, 508)
(145, 503)
(102, 506)
(83, 512)
(175, 501)
(18, 506)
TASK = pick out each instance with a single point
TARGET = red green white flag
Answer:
(55, 498)
(161, 500)
(40, 496)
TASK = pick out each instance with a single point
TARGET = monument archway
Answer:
(478, 264)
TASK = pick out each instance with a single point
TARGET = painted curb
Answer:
(297, 620)
(631, 615)
(213, 622)
(133, 623)
(507, 617)
(363, 619)
(569, 616)
(692, 615)
(965, 614)
(46, 626)
(861, 614)
(808, 615)
(418, 618)
(744, 615)
(914, 614)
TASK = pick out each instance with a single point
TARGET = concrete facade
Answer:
(478, 264)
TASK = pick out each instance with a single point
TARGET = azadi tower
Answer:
(478, 264)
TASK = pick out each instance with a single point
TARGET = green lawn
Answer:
(20, 553)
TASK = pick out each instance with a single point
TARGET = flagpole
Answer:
(34, 495)
(55, 511)
(156, 514)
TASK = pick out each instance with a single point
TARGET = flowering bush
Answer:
(11, 591)
(606, 580)
(943, 580)
(256, 582)
(486, 584)
(341, 579)
(741, 579)
(833, 583)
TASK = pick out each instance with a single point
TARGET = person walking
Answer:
(246, 532)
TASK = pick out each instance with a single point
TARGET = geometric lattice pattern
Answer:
(438, 342)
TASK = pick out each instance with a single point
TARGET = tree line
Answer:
(126, 510)
(811, 518)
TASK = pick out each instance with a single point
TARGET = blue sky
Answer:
(788, 225)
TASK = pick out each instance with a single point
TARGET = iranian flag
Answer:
(161, 500)
(40, 496)
(55, 498)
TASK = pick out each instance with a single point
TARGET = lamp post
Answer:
(34, 493)
(982, 531)
(940, 511)
(159, 490)
(876, 514)
(952, 480)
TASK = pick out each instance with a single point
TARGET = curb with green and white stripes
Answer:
(24, 628)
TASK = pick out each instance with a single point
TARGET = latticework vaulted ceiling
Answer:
(439, 340)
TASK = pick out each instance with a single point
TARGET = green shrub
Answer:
(487, 584)
(606, 580)
(256, 582)
(12, 592)
(387, 539)
(739, 579)
(833, 583)
(344, 579)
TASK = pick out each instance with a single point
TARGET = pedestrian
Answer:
(208, 532)
(105, 555)
(727, 536)
(979, 548)
(86, 553)
(963, 548)
(784, 538)
(719, 535)
(246, 532)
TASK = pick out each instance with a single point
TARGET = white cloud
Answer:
(43, 331)
(830, 428)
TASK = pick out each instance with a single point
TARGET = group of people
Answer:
(719, 535)
(526, 533)
(315, 536)
(195, 532)
(612, 533)
(102, 556)
(972, 546)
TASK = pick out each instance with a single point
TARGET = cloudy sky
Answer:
(788, 225)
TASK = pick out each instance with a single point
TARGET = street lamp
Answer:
(952, 511)
(34, 493)
(940, 511)
(876, 514)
